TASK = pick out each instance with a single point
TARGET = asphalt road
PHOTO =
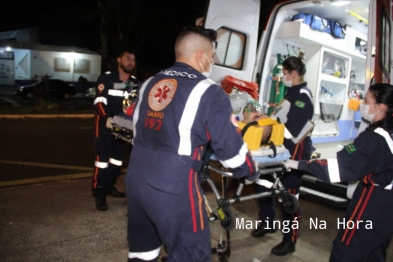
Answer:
(39, 149)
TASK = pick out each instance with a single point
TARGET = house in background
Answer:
(23, 59)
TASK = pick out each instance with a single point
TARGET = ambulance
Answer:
(347, 47)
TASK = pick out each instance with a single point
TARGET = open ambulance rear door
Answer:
(380, 36)
(236, 23)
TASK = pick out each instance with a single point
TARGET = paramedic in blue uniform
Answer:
(295, 112)
(369, 159)
(110, 93)
(178, 112)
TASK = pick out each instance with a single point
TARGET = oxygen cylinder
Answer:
(277, 90)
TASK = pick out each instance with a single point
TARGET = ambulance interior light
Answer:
(339, 3)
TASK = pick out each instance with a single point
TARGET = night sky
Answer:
(69, 23)
(77, 23)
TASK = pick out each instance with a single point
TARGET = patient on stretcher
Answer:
(257, 126)
(263, 135)
(252, 112)
(259, 136)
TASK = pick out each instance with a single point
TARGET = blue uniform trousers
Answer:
(362, 243)
(166, 206)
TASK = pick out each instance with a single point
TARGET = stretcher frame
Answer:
(224, 214)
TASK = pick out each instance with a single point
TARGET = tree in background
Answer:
(149, 27)
(103, 10)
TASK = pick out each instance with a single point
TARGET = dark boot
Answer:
(100, 197)
(261, 231)
(284, 248)
(114, 193)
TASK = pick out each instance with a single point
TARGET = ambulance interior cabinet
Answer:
(329, 87)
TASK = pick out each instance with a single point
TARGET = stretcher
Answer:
(122, 133)
(269, 166)
(270, 162)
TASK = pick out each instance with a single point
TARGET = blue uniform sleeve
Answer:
(353, 162)
(300, 112)
(226, 141)
(316, 168)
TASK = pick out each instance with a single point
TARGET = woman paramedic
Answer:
(295, 112)
(367, 228)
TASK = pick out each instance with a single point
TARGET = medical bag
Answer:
(230, 82)
(336, 29)
(320, 24)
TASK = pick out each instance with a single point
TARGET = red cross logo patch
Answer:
(162, 94)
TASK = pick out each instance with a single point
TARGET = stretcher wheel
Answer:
(227, 218)
(290, 203)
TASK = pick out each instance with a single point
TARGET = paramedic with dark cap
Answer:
(110, 92)
(178, 112)
(295, 112)
(367, 228)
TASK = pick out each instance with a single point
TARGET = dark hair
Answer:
(383, 94)
(125, 49)
(208, 34)
(295, 63)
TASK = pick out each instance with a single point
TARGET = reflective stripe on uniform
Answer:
(101, 164)
(334, 172)
(387, 137)
(138, 105)
(305, 91)
(287, 134)
(188, 116)
(388, 187)
(389, 141)
(113, 92)
(101, 99)
(149, 255)
(237, 160)
(115, 162)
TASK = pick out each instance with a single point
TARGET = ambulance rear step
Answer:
(330, 194)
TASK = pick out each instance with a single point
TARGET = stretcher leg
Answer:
(227, 217)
